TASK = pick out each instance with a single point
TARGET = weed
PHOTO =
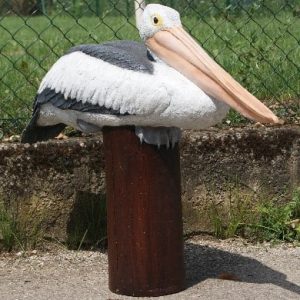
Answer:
(279, 222)
(7, 229)
(21, 228)
(18, 232)
(265, 220)
(239, 213)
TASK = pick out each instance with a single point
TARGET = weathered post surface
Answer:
(145, 244)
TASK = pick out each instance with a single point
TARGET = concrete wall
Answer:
(53, 181)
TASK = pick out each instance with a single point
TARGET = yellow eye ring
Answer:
(156, 20)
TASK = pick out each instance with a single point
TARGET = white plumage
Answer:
(164, 98)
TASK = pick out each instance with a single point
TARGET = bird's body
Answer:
(157, 96)
(124, 83)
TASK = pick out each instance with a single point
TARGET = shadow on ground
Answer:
(203, 262)
(87, 227)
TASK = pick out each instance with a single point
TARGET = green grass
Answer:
(266, 220)
(263, 54)
(23, 226)
(7, 229)
(255, 219)
(18, 232)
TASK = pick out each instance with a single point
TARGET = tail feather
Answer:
(34, 133)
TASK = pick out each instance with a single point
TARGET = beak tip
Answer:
(280, 122)
(277, 121)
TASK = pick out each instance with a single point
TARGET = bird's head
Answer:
(163, 34)
(157, 17)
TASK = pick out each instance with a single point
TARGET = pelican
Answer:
(160, 86)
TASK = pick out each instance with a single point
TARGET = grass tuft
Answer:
(279, 222)
(7, 229)
(18, 233)
(264, 221)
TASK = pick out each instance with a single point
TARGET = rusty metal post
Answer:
(145, 244)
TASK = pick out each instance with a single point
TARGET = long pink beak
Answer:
(178, 49)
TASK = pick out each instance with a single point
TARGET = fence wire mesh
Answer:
(257, 41)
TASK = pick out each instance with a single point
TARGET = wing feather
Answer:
(94, 81)
(58, 100)
(125, 54)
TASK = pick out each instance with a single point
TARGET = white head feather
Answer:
(157, 17)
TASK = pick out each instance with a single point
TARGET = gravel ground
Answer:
(230, 269)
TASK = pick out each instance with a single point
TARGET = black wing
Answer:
(58, 100)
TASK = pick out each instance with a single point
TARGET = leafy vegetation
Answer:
(265, 221)
(126, 7)
(279, 222)
(23, 228)
(7, 229)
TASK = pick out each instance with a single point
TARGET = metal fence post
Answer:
(139, 6)
(41, 6)
(128, 10)
(98, 7)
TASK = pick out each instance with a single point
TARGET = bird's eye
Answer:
(156, 20)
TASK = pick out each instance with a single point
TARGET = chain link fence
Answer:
(257, 41)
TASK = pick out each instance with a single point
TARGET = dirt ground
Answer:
(231, 269)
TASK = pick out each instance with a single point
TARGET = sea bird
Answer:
(160, 86)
